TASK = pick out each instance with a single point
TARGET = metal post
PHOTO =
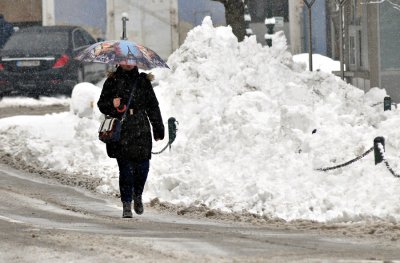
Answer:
(269, 23)
(387, 103)
(341, 3)
(310, 47)
(341, 42)
(172, 130)
(377, 151)
(124, 19)
(270, 31)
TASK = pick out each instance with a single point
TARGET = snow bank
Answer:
(31, 102)
(245, 142)
(320, 62)
(84, 99)
(247, 114)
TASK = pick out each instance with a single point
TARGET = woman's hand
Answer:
(117, 102)
(118, 105)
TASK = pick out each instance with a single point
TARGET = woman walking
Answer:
(133, 151)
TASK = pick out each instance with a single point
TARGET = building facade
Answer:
(262, 9)
(22, 12)
(159, 24)
(151, 23)
(319, 28)
(299, 27)
(192, 12)
(371, 46)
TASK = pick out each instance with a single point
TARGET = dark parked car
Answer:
(39, 61)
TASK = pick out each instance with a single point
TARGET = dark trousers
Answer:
(132, 178)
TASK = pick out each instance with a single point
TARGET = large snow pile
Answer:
(245, 142)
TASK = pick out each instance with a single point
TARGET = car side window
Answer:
(79, 39)
(88, 38)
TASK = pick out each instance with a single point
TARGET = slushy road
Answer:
(42, 220)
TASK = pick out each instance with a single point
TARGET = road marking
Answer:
(10, 220)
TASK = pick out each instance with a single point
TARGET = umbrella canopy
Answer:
(122, 52)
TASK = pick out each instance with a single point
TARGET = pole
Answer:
(387, 103)
(269, 24)
(124, 19)
(341, 41)
(377, 152)
(341, 3)
(310, 46)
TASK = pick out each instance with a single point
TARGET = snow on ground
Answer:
(245, 141)
(320, 62)
(30, 102)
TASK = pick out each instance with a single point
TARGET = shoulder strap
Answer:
(130, 99)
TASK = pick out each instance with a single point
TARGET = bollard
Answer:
(270, 24)
(172, 130)
(377, 152)
(247, 20)
(387, 103)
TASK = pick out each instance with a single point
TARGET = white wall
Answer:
(153, 23)
(295, 9)
(48, 12)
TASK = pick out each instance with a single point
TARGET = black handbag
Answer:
(110, 128)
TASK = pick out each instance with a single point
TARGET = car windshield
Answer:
(38, 42)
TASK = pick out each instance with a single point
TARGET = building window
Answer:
(389, 21)
(353, 12)
(360, 54)
(352, 50)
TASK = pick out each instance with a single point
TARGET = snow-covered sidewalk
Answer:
(245, 141)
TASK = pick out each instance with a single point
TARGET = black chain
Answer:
(172, 129)
(358, 158)
(379, 103)
(382, 152)
(346, 163)
(376, 104)
(390, 169)
(166, 146)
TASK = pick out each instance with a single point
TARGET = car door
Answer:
(79, 44)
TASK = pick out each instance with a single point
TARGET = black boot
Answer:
(127, 210)
(137, 204)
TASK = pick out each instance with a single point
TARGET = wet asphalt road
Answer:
(42, 220)
(43, 217)
(30, 110)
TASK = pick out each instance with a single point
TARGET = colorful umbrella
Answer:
(122, 52)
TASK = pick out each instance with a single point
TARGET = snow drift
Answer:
(254, 127)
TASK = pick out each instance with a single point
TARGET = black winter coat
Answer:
(136, 142)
